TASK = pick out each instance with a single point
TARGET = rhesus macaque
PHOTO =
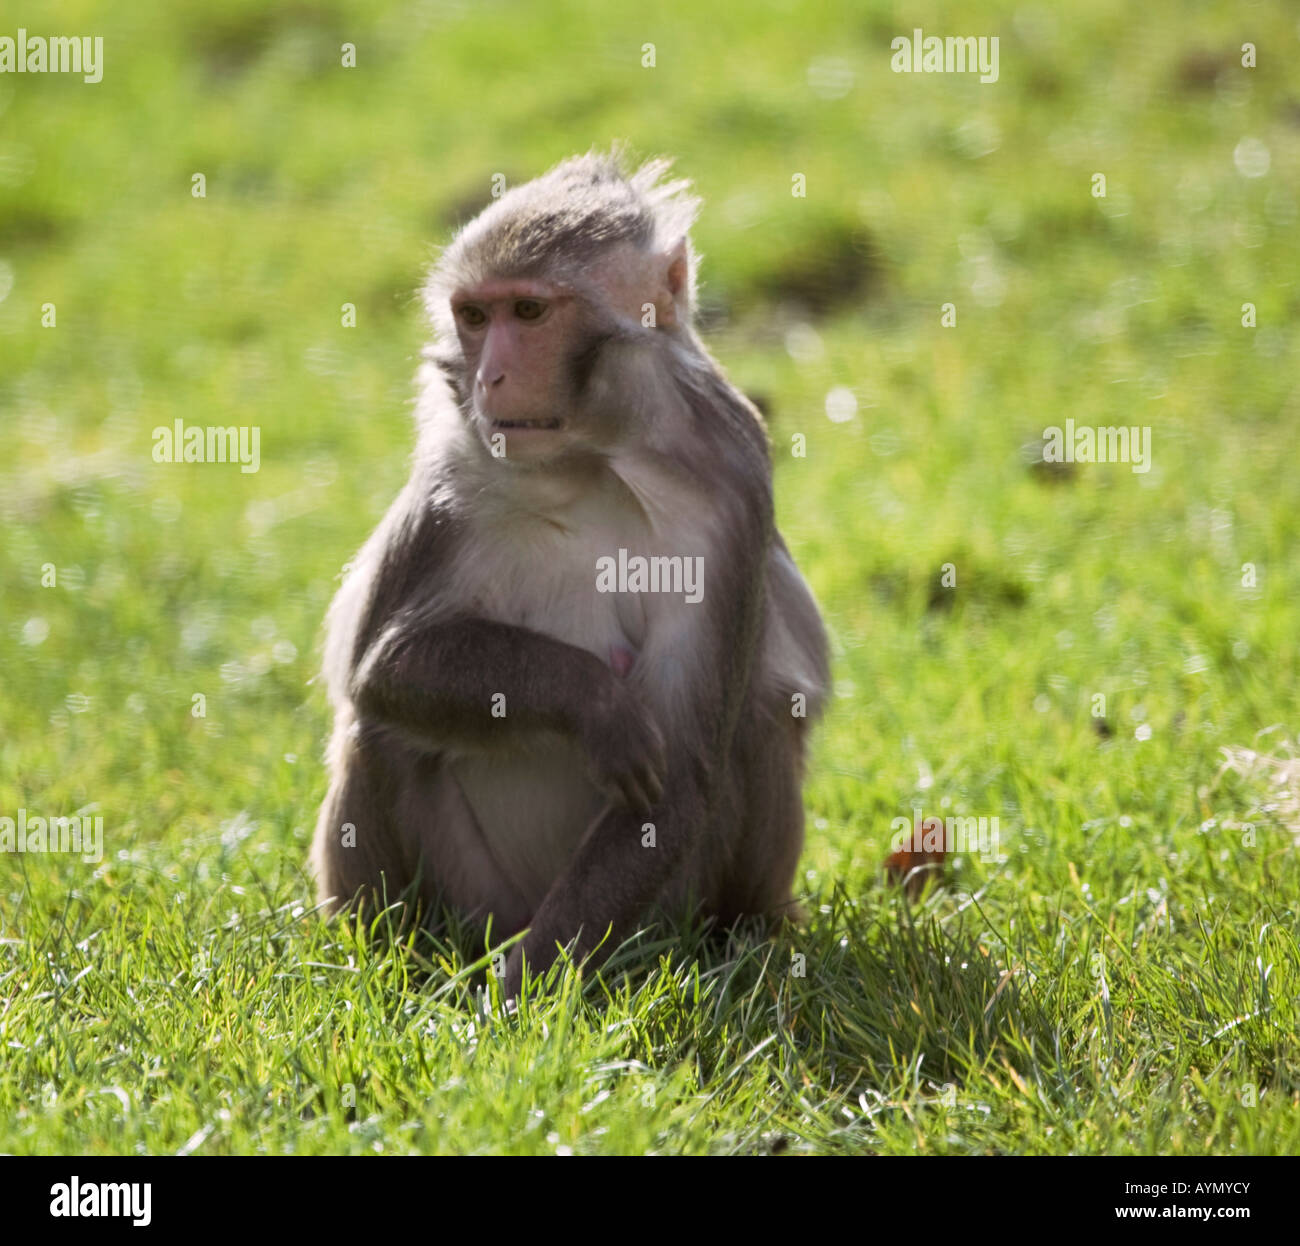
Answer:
(512, 738)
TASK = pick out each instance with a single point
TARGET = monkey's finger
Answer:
(651, 780)
(620, 789)
(634, 794)
(654, 785)
(659, 763)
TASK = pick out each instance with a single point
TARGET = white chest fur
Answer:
(534, 556)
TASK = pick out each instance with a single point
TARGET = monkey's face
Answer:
(523, 343)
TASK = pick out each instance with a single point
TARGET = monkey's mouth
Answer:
(551, 425)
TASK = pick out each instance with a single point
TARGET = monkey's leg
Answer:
(457, 863)
(359, 850)
(769, 758)
(625, 862)
(395, 816)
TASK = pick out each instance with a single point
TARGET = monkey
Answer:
(512, 740)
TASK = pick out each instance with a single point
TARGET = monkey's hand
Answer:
(624, 747)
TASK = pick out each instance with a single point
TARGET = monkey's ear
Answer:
(675, 275)
(679, 270)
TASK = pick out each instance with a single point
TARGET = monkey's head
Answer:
(538, 294)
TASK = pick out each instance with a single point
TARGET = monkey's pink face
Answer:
(518, 338)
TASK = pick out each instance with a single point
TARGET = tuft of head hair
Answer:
(561, 222)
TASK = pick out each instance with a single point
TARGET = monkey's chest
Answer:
(556, 580)
(532, 807)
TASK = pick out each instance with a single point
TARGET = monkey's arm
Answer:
(437, 682)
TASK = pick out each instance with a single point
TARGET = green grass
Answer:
(1124, 979)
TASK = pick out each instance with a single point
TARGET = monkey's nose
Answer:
(491, 379)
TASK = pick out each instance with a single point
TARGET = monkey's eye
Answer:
(529, 309)
(472, 317)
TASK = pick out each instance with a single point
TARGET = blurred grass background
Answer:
(328, 185)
